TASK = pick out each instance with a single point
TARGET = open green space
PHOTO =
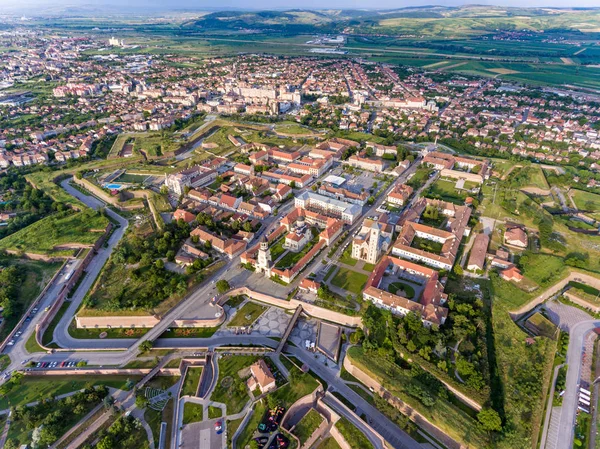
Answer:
(444, 413)
(228, 389)
(368, 267)
(307, 425)
(585, 292)
(64, 230)
(191, 381)
(31, 388)
(524, 370)
(247, 432)
(354, 437)
(346, 257)
(445, 190)
(431, 246)
(541, 325)
(49, 332)
(192, 412)
(586, 200)
(247, 315)
(329, 443)
(349, 280)
(405, 290)
(419, 178)
(214, 412)
(299, 385)
(277, 249)
(291, 258)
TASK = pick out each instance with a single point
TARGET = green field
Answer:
(406, 289)
(247, 315)
(191, 381)
(192, 412)
(354, 437)
(445, 190)
(446, 414)
(346, 257)
(247, 432)
(228, 389)
(32, 388)
(63, 228)
(329, 443)
(307, 425)
(349, 280)
(586, 200)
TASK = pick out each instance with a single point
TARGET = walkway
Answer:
(290, 326)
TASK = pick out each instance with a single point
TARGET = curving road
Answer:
(577, 335)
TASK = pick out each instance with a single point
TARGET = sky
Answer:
(169, 5)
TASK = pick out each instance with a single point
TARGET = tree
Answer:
(159, 264)
(81, 363)
(145, 346)
(489, 420)
(141, 401)
(222, 286)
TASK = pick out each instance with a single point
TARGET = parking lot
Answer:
(202, 435)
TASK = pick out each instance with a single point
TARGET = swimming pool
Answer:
(113, 186)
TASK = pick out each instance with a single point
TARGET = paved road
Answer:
(61, 333)
(569, 407)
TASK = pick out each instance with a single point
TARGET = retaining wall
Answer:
(310, 309)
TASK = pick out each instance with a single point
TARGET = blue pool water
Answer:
(113, 186)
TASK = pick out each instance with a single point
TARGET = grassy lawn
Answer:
(543, 269)
(350, 280)
(586, 200)
(228, 390)
(214, 412)
(190, 383)
(291, 258)
(32, 388)
(346, 257)
(446, 190)
(189, 332)
(524, 370)
(232, 426)
(330, 272)
(235, 301)
(49, 333)
(329, 443)
(62, 228)
(426, 245)
(300, 384)
(355, 438)
(192, 412)
(419, 178)
(409, 292)
(444, 413)
(32, 346)
(277, 249)
(246, 434)
(307, 425)
(585, 292)
(368, 267)
(247, 315)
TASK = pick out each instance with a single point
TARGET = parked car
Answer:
(219, 427)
